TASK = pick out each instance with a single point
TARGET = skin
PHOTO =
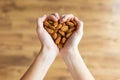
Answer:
(69, 52)
(71, 55)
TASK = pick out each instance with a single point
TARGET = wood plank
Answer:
(99, 46)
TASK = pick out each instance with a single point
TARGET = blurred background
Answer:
(99, 47)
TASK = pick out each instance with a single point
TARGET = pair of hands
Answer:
(70, 53)
(47, 40)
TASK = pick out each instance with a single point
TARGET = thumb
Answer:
(79, 30)
(77, 35)
(40, 22)
(80, 27)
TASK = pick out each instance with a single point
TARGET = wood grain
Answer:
(99, 47)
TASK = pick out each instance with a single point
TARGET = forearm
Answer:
(40, 65)
(76, 65)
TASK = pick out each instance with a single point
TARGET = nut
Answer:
(74, 22)
(55, 24)
(57, 41)
(64, 28)
(49, 30)
(59, 26)
(46, 23)
(68, 35)
(54, 35)
(71, 29)
(51, 27)
(70, 23)
(63, 40)
(60, 45)
(50, 21)
(60, 32)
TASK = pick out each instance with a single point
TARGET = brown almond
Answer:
(63, 40)
(63, 24)
(70, 23)
(57, 41)
(59, 26)
(74, 22)
(50, 21)
(56, 30)
(49, 30)
(54, 35)
(46, 23)
(71, 29)
(68, 34)
(61, 32)
(55, 24)
(64, 28)
(51, 27)
(59, 45)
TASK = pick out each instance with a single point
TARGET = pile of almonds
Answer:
(60, 32)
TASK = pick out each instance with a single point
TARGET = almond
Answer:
(64, 28)
(70, 23)
(50, 21)
(46, 23)
(71, 29)
(54, 35)
(74, 22)
(59, 26)
(63, 40)
(61, 32)
(57, 41)
(68, 34)
(51, 27)
(60, 45)
(49, 30)
(55, 24)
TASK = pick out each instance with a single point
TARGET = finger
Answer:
(77, 35)
(41, 19)
(69, 16)
(79, 31)
(56, 15)
(65, 17)
(52, 17)
(61, 18)
(40, 22)
(80, 27)
(76, 19)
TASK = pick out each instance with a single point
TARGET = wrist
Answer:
(49, 48)
(68, 49)
(71, 51)
(47, 51)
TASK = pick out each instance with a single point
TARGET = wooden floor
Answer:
(100, 45)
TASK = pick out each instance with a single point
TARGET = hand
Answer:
(71, 55)
(44, 36)
(47, 54)
(75, 38)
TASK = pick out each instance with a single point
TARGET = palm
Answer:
(44, 36)
(75, 38)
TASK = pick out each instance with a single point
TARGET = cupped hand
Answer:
(47, 40)
(43, 35)
(75, 38)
